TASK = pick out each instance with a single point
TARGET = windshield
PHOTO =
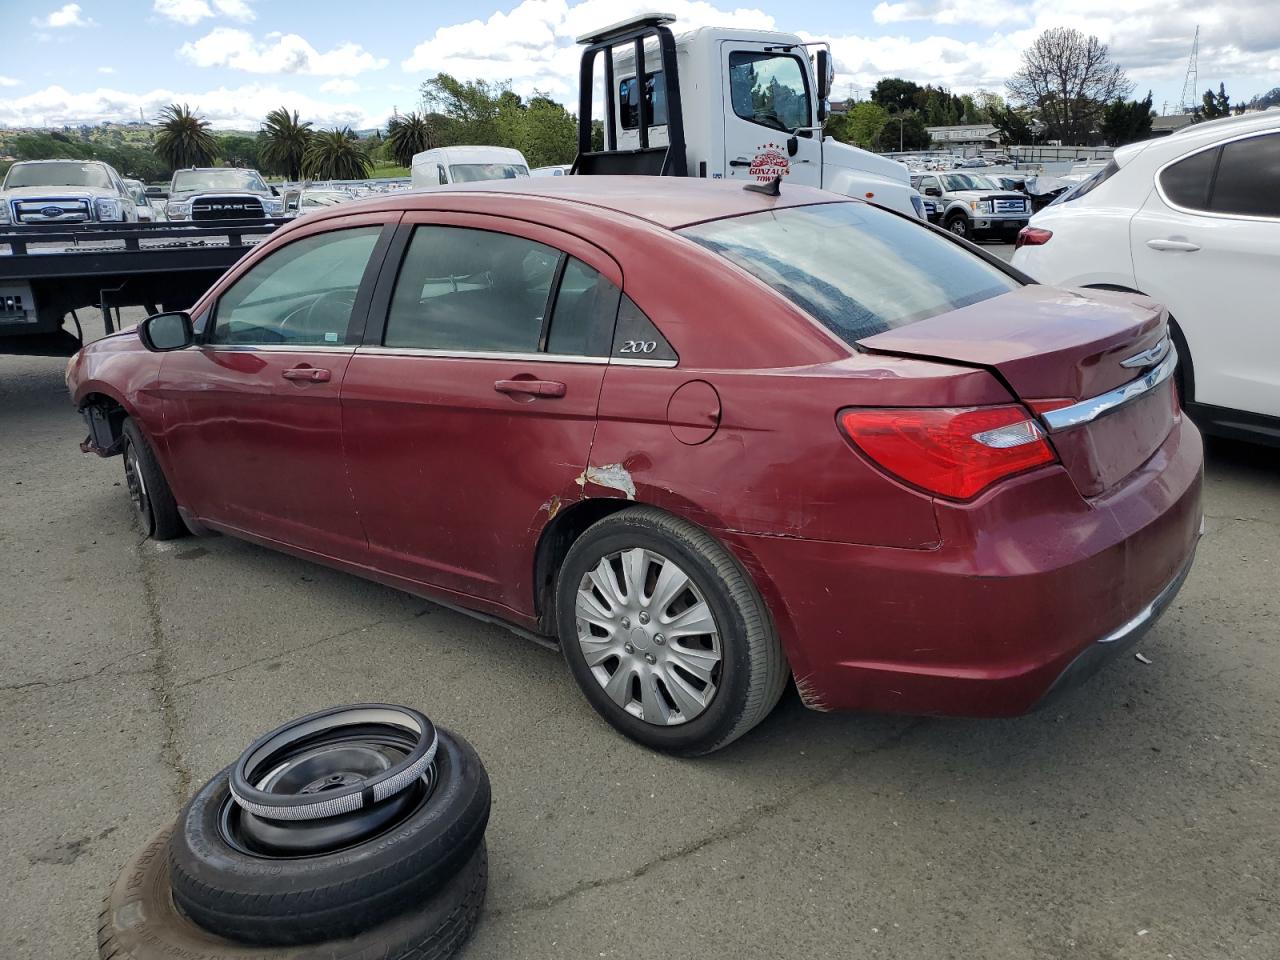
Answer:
(966, 181)
(57, 175)
(470, 172)
(185, 181)
(855, 268)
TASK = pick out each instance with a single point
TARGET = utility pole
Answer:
(1192, 81)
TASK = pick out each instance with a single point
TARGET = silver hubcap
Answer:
(649, 637)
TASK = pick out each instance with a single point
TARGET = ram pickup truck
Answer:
(64, 192)
(975, 207)
(202, 194)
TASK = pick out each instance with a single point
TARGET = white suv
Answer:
(1193, 221)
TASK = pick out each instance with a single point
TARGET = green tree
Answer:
(911, 136)
(285, 139)
(239, 150)
(895, 94)
(184, 139)
(1214, 105)
(335, 155)
(1013, 127)
(863, 123)
(408, 135)
(1127, 121)
(548, 133)
(471, 107)
(1068, 79)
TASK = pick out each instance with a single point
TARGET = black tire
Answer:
(258, 899)
(153, 501)
(1184, 376)
(959, 225)
(754, 670)
(140, 922)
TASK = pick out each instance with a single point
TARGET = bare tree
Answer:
(1068, 79)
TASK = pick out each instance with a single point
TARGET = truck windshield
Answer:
(185, 181)
(470, 172)
(57, 175)
(967, 181)
(856, 269)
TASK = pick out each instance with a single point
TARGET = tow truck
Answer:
(722, 103)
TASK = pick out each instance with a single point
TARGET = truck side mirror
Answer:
(826, 71)
(166, 331)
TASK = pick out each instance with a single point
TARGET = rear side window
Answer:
(856, 269)
(1248, 179)
(479, 291)
(1186, 183)
(653, 99)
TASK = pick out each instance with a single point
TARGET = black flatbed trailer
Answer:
(50, 271)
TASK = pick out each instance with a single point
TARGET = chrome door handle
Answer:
(1184, 245)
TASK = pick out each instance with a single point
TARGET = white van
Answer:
(445, 165)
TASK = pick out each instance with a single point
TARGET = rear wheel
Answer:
(665, 633)
(153, 502)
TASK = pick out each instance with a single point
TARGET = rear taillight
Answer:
(1032, 237)
(953, 452)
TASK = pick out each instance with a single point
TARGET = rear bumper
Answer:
(1032, 588)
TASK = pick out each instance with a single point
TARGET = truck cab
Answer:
(722, 103)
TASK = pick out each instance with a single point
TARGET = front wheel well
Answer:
(106, 417)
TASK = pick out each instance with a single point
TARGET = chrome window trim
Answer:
(517, 356)
(1086, 411)
(278, 347)
(1215, 214)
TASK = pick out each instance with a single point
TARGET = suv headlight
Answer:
(177, 209)
(108, 210)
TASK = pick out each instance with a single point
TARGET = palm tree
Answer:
(184, 139)
(408, 135)
(336, 155)
(285, 140)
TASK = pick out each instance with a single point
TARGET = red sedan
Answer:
(708, 439)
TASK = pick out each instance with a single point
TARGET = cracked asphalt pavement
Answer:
(1136, 820)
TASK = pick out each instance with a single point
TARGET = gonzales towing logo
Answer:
(770, 162)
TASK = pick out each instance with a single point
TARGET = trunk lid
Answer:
(1049, 344)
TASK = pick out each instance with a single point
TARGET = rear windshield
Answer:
(855, 268)
(470, 172)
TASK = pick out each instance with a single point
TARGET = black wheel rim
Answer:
(137, 485)
(330, 780)
(958, 228)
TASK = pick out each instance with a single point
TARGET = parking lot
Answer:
(1137, 819)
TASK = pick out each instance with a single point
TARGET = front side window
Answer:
(301, 295)
(1248, 180)
(856, 269)
(653, 99)
(769, 89)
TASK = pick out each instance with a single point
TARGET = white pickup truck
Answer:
(723, 103)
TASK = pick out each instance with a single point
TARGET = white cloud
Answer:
(238, 108)
(9, 82)
(278, 53)
(64, 16)
(340, 85)
(183, 11)
(987, 13)
(533, 45)
(235, 9)
(107, 70)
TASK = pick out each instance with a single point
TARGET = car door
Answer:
(1207, 244)
(252, 416)
(469, 413)
(766, 103)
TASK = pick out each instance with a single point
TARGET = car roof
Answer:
(669, 202)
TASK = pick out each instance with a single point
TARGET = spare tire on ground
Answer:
(330, 826)
(139, 920)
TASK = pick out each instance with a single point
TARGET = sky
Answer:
(235, 60)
